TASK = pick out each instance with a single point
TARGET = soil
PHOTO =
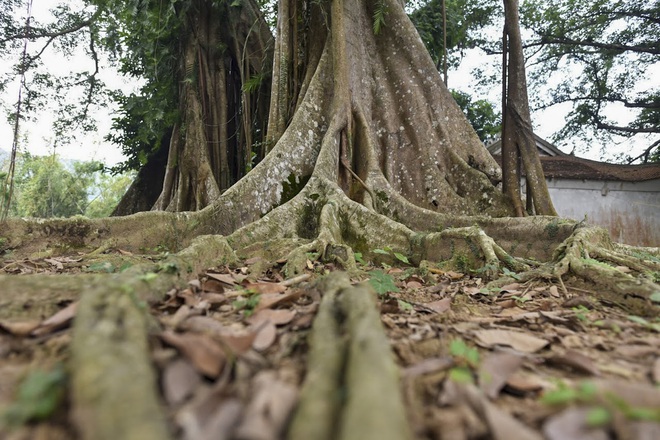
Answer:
(527, 360)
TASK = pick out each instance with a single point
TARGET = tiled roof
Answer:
(571, 167)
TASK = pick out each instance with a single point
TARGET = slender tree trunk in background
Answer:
(517, 134)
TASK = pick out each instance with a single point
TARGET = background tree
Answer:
(45, 188)
(597, 56)
(205, 100)
(466, 23)
(483, 117)
(518, 145)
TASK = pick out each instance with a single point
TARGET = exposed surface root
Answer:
(590, 254)
(350, 351)
(472, 244)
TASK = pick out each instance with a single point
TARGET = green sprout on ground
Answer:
(654, 326)
(248, 305)
(38, 397)
(388, 251)
(382, 283)
(604, 404)
(466, 360)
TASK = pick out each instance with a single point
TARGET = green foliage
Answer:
(380, 12)
(46, 187)
(483, 117)
(463, 353)
(603, 52)
(103, 267)
(247, 305)
(358, 258)
(655, 326)
(39, 395)
(388, 251)
(107, 191)
(466, 20)
(466, 359)
(606, 403)
(382, 283)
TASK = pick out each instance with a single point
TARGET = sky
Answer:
(37, 136)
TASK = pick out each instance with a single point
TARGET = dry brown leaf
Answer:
(269, 410)
(179, 316)
(224, 278)
(276, 316)
(554, 292)
(272, 299)
(413, 284)
(211, 285)
(576, 361)
(439, 306)
(19, 328)
(59, 320)
(427, 366)
(522, 384)
(265, 288)
(495, 370)
(454, 275)
(54, 262)
(205, 354)
(571, 424)
(513, 287)
(214, 298)
(238, 341)
(501, 424)
(636, 351)
(179, 381)
(517, 340)
(265, 337)
(212, 416)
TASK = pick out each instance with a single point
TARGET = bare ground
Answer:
(231, 353)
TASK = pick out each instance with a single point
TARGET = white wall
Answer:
(630, 210)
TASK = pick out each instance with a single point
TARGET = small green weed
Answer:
(39, 395)
(466, 359)
(388, 251)
(655, 326)
(382, 283)
(605, 405)
(247, 305)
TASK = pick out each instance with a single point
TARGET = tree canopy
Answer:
(599, 58)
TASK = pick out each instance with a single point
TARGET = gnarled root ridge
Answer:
(349, 351)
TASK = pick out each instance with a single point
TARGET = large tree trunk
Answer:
(517, 134)
(222, 120)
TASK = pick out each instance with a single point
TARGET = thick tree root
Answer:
(114, 385)
(349, 351)
(587, 254)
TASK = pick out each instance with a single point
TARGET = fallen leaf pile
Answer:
(524, 361)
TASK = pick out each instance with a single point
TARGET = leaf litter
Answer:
(534, 361)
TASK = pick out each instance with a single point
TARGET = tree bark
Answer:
(517, 134)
